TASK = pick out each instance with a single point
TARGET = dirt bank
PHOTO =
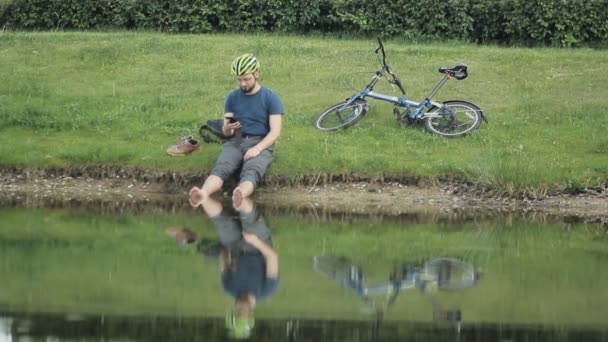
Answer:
(124, 187)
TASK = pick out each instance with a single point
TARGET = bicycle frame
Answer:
(400, 101)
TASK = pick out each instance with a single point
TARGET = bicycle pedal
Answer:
(406, 120)
(396, 113)
(366, 106)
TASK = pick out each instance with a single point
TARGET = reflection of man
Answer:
(248, 264)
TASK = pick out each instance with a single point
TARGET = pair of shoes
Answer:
(183, 146)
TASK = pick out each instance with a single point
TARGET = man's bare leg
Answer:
(212, 207)
(212, 185)
(244, 190)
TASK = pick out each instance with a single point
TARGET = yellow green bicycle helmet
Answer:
(245, 64)
(239, 327)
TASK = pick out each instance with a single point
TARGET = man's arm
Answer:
(271, 257)
(276, 122)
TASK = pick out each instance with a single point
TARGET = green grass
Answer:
(69, 99)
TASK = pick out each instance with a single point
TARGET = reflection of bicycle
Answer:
(449, 119)
(443, 273)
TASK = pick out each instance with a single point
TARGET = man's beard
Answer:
(248, 90)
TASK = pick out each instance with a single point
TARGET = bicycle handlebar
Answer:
(381, 48)
(386, 67)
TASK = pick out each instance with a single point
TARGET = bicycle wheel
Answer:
(451, 273)
(337, 116)
(454, 119)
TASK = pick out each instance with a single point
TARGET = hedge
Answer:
(522, 22)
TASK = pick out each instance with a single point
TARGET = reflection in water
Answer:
(172, 204)
(70, 275)
(441, 273)
(249, 267)
(5, 329)
(55, 327)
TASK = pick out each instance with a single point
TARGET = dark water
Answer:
(102, 272)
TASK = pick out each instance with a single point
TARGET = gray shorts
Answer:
(231, 160)
(230, 229)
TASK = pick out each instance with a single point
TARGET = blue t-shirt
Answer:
(249, 277)
(253, 111)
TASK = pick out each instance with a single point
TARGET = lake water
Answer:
(110, 272)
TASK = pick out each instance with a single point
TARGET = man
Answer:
(249, 265)
(253, 118)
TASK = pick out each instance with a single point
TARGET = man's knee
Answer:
(225, 169)
(254, 171)
(251, 177)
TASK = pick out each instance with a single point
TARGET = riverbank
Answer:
(125, 188)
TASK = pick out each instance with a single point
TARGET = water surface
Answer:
(80, 274)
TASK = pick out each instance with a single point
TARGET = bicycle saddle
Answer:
(458, 71)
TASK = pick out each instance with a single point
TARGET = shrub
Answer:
(524, 22)
(540, 22)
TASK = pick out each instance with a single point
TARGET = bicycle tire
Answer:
(452, 273)
(332, 118)
(454, 119)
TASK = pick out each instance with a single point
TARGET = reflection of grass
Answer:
(138, 92)
(70, 261)
(78, 263)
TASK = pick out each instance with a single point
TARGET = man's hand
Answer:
(233, 125)
(230, 126)
(251, 239)
(252, 153)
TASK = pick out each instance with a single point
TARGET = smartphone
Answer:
(231, 120)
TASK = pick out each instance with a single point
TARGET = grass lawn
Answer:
(83, 98)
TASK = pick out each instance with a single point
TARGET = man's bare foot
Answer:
(237, 197)
(246, 205)
(197, 196)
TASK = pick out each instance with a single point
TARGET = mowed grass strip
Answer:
(81, 98)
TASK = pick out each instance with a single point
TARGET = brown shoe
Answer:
(184, 145)
(183, 236)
